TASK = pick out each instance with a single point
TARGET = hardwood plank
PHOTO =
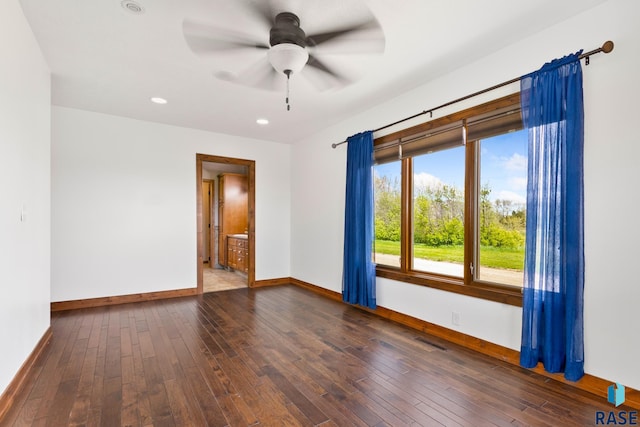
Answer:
(112, 405)
(179, 404)
(96, 398)
(141, 400)
(24, 416)
(297, 398)
(54, 369)
(129, 409)
(157, 393)
(80, 410)
(96, 328)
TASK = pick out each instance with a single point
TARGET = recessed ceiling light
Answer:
(262, 121)
(132, 6)
(158, 100)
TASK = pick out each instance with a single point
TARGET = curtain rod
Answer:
(606, 48)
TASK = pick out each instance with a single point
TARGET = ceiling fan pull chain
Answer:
(288, 73)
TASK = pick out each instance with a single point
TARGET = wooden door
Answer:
(232, 210)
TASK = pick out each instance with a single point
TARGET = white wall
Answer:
(611, 92)
(124, 204)
(25, 94)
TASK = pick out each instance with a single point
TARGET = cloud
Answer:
(426, 180)
(510, 195)
(518, 183)
(516, 162)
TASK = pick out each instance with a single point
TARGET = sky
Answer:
(503, 167)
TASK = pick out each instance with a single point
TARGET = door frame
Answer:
(210, 183)
(251, 202)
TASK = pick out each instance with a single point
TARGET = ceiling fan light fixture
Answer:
(288, 57)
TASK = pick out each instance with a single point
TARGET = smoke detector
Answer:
(132, 7)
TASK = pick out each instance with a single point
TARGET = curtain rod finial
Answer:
(607, 46)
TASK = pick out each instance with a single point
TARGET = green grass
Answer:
(512, 259)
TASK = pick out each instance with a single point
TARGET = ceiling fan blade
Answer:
(203, 38)
(325, 77)
(318, 64)
(260, 75)
(320, 38)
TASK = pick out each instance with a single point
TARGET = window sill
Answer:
(484, 291)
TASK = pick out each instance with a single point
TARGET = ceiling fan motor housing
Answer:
(287, 30)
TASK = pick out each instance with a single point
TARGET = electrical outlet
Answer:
(455, 318)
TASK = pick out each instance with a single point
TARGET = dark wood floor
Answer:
(274, 356)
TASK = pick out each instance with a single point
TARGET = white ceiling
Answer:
(106, 59)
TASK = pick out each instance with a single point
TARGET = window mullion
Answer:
(471, 204)
(406, 240)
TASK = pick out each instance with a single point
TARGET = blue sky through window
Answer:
(503, 165)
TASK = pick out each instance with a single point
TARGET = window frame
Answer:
(466, 285)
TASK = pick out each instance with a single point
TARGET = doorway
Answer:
(209, 237)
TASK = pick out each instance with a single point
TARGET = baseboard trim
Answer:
(272, 282)
(15, 386)
(589, 383)
(121, 299)
(336, 296)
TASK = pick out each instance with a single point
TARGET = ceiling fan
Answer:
(289, 49)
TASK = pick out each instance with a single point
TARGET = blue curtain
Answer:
(359, 274)
(552, 323)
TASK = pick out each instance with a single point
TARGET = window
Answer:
(438, 211)
(502, 208)
(387, 214)
(450, 202)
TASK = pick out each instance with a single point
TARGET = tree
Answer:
(438, 215)
(387, 208)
